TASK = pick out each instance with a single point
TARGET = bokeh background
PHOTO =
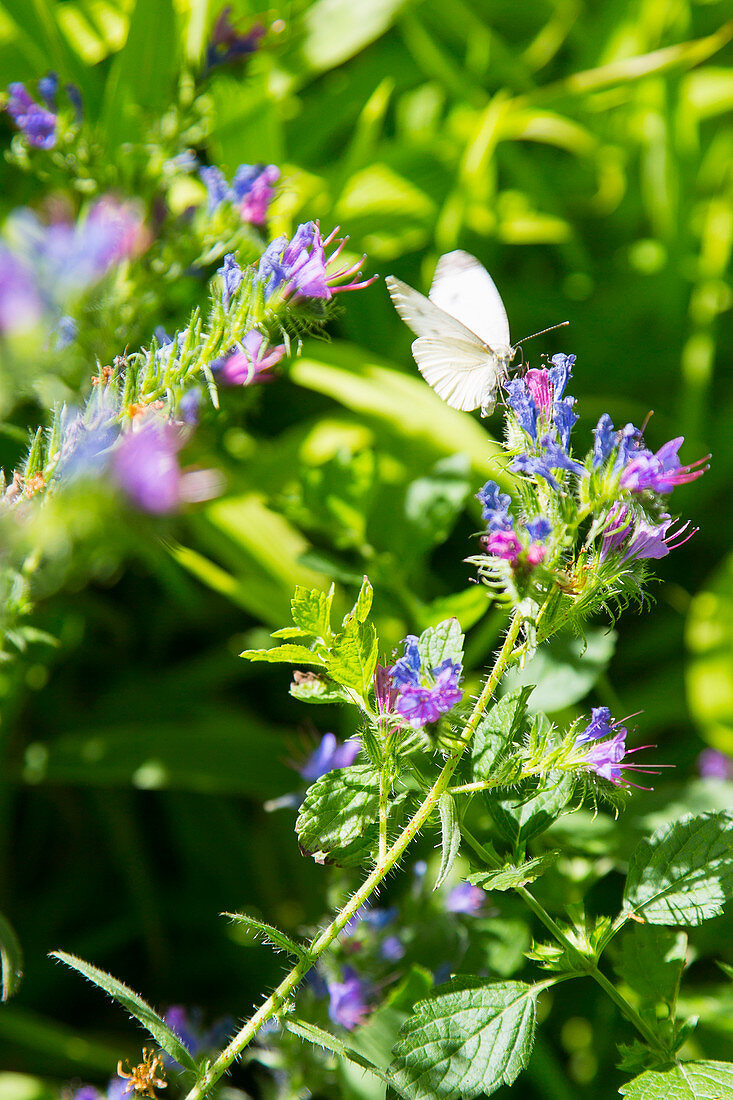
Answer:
(584, 152)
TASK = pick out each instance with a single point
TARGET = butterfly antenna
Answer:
(552, 328)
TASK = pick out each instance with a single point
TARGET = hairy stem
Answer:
(584, 963)
(322, 942)
(383, 799)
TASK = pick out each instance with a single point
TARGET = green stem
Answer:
(321, 943)
(583, 963)
(383, 799)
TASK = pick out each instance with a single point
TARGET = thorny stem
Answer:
(383, 799)
(584, 964)
(322, 942)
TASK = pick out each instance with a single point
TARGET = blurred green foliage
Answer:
(584, 153)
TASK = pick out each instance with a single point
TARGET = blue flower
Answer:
(556, 458)
(406, 670)
(538, 528)
(600, 725)
(228, 44)
(564, 418)
(534, 466)
(231, 277)
(48, 86)
(495, 507)
(300, 266)
(465, 898)
(348, 1000)
(604, 437)
(330, 755)
(521, 401)
(216, 185)
(560, 373)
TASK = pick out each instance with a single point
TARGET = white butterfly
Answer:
(463, 348)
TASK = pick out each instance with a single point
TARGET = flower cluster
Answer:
(45, 269)
(601, 748)
(299, 267)
(40, 124)
(423, 694)
(251, 191)
(586, 523)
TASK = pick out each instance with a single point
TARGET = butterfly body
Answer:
(463, 349)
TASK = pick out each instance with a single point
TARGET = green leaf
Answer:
(135, 1005)
(450, 841)
(271, 934)
(440, 643)
(510, 877)
(434, 502)
(565, 669)
(363, 604)
(687, 1081)
(651, 960)
(337, 810)
(496, 730)
(520, 818)
(709, 673)
(470, 1037)
(321, 1038)
(285, 654)
(353, 658)
(11, 960)
(312, 611)
(683, 874)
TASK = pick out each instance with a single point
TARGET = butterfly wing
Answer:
(424, 317)
(465, 375)
(452, 359)
(463, 288)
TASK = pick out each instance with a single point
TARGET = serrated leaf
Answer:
(134, 1004)
(687, 1081)
(271, 934)
(321, 1038)
(11, 960)
(683, 874)
(363, 604)
(510, 877)
(337, 810)
(650, 960)
(353, 658)
(311, 610)
(450, 836)
(440, 643)
(497, 729)
(285, 654)
(521, 817)
(469, 1037)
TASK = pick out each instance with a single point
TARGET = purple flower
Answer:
(556, 458)
(189, 405)
(231, 277)
(420, 705)
(605, 758)
(600, 725)
(660, 472)
(495, 507)
(348, 1000)
(253, 188)
(712, 764)
(116, 1090)
(20, 302)
(392, 949)
(330, 756)
(299, 267)
(146, 467)
(521, 401)
(533, 466)
(465, 898)
(629, 443)
(560, 373)
(502, 544)
(227, 44)
(249, 362)
(38, 124)
(188, 1026)
(645, 540)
